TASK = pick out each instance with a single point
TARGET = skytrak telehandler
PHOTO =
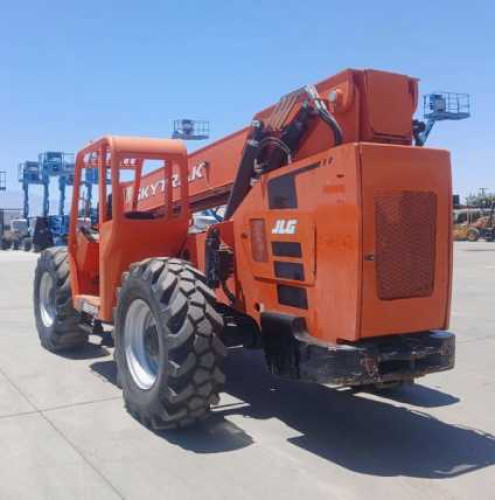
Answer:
(334, 254)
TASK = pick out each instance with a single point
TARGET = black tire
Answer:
(189, 353)
(64, 333)
(6, 244)
(27, 244)
(473, 234)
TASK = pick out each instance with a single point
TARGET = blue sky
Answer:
(71, 71)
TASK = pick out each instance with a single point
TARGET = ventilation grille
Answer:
(405, 244)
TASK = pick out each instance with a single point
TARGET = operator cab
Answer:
(108, 229)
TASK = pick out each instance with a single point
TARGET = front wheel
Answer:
(57, 321)
(169, 356)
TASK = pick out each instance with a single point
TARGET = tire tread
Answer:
(195, 352)
(66, 333)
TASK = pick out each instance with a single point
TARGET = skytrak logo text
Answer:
(197, 172)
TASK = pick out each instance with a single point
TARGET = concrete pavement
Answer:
(65, 434)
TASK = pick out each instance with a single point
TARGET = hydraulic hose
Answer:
(284, 147)
(324, 114)
(245, 171)
(278, 143)
(330, 120)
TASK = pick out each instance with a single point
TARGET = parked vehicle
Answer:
(333, 255)
(483, 228)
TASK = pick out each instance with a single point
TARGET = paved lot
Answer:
(64, 432)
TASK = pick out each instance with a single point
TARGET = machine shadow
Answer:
(106, 369)
(89, 351)
(217, 435)
(418, 395)
(361, 434)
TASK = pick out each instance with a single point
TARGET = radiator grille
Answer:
(405, 244)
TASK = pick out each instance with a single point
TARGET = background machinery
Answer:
(21, 231)
(197, 130)
(191, 130)
(52, 229)
(483, 227)
(8, 218)
(65, 180)
(441, 106)
(47, 229)
(334, 254)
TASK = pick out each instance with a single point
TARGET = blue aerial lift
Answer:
(30, 174)
(66, 179)
(197, 130)
(191, 130)
(45, 230)
(440, 106)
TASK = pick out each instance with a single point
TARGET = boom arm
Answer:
(350, 103)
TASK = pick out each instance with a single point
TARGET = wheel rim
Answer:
(141, 344)
(47, 300)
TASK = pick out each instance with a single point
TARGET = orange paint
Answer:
(341, 193)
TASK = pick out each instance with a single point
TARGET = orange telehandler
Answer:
(332, 253)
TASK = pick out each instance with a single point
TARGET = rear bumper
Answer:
(292, 353)
(379, 360)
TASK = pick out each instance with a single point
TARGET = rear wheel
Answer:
(57, 321)
(169, 356)
(473, 234)
(5, 243)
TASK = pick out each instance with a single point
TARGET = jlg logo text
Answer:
(283, 226)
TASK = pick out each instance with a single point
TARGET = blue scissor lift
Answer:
(48, 229)
(30, 174)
